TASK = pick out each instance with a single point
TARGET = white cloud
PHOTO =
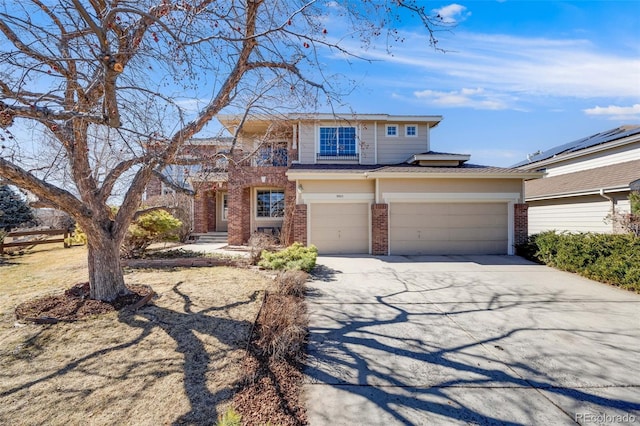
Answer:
(468, 98)
(452, 14)
(614, 112)
(517, 66)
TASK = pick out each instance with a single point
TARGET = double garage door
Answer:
(414, 228)
(448, 228)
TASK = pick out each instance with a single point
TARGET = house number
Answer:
(339, 195)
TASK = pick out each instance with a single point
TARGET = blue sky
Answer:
(518, 76)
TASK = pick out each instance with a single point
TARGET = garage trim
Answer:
(336, 197)
(458, 197)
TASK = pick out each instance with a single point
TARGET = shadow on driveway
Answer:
(435, 342)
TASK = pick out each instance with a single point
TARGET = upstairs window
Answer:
(392, 130)
(338, 141)
(270, 203)
(411, 130)
(275, 155)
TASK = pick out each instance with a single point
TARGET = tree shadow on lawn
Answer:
(363, 350)
(182, 328)
(188, 330)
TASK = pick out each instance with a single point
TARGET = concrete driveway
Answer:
(469, 340)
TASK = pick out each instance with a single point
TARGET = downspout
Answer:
(295, 144)
(612, 210)
(375, 142)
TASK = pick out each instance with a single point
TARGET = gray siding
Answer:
(307, 141)
(394, 150)
(389, 150)
(577, 214)
(367, 142)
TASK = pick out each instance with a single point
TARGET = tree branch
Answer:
(62, 199)
(172, 185)
(107, 185)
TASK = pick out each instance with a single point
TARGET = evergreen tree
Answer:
(13, 210)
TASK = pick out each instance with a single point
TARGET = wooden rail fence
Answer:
(29, 242)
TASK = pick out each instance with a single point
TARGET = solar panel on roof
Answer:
(589, 141)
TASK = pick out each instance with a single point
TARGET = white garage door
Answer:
(340, 228)
(448, 228)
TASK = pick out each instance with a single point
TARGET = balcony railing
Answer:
(338, 157)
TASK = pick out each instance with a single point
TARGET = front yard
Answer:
(175, 361)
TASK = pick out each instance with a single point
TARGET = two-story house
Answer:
(365, 183)
(585, 182)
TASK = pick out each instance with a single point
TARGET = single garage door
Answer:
(448, 228)
(340, 228)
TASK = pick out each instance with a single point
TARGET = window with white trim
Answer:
(225, 206)
(269, 203)
(392, 130)
(337, 141)
(411, 130)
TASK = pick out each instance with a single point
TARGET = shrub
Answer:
(294, 257)
(14, 211)
(229, 418)
(609, 258)
(283, 328)
(78, 238)
(634, 200)
(179, 205)
(292, 283)
(258, 242)
(154, 226)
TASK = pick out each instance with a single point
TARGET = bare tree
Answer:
(97, 93)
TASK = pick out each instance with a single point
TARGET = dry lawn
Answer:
(175, 361)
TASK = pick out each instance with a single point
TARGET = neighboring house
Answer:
(360, 184)
(585, 182)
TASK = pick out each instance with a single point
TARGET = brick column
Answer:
(234, 215)
(246, 215)
(211, 211)
(521, 223)
(154, 187)
(200, 213)
(380, 229)
(300, 224)
(287, 235)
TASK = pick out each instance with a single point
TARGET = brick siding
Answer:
(199, 213)
(521, 223)
(154, 187)
(241, 180)
(300, 224)
(380, 229)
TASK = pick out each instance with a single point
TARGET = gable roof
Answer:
(433, 158)
(613, 177)
(230, 121)
(581, 144)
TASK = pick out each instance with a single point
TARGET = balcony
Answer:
(272, 157)
(338, 157)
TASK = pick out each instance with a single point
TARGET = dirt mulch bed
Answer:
(74, 304)
(185, 262)
(274, 394)
(272, 389)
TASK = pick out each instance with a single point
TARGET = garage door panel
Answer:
(448, 228)
(340, 228)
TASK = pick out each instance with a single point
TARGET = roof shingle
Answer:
(615, 175)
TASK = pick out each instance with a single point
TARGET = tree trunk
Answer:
(105, 272)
